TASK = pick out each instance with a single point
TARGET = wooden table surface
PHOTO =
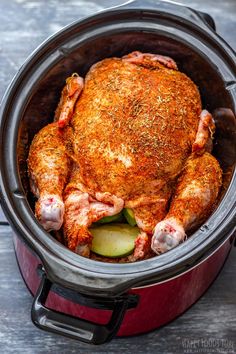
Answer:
(210, 325)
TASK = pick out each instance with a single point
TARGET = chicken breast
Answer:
(134, 126)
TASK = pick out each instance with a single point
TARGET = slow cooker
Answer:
(85, 299)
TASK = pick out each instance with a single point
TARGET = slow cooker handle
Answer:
(170, 7)
(207, 19)
(74, 327)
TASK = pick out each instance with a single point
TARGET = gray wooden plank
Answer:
(3, 219)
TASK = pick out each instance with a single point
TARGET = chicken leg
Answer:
(195, 195)
(48, 167)
(48, 162)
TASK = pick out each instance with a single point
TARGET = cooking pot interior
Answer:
(215, 97)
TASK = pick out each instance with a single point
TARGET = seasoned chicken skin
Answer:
(134, 126)
(135, 136)
(48, 166)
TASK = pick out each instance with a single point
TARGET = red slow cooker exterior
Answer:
(158, 303)
(93, 301)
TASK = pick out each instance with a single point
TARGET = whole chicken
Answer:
(131, 135)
